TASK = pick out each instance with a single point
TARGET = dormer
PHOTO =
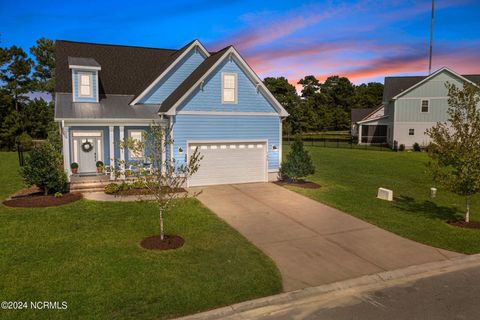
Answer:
(84, 79)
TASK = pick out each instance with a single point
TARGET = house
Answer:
(411, 105)
(368, 125)
(214, 101)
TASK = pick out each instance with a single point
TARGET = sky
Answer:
(363, 40)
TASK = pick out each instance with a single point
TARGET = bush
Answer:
(123, 186)
(24, 141)
(58, 194)
(111, 188)
(99, 164)
(138, 184)
(416, 147)
(401, 148)
(298, 163)
(74, 165)
(43, 168)
(54, 136)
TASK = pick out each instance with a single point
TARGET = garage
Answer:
(230, 163)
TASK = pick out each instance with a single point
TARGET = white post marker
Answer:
(385, 194)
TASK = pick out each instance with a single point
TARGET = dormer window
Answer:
(85, 85)
(229, 88)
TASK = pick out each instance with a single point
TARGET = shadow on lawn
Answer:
(426, 208)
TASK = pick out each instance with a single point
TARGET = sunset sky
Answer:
(363, 40)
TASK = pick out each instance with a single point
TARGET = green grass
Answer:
(350, 179)
(88, 254)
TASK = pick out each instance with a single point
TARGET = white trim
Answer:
(66, 149)
(195, 44)
(231, 51)
(122, 151)
(429, 77)
(416, 98)
(111, 133)
(89, 122)
(172, 144)
(86, 133)
(227, 141)
(99, 150)
(227, 113)
(280, 142)
(428, 105)
(86, 68)
(370, 120)
(90, 85)
(235, 88)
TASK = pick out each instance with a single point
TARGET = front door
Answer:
(87, 155)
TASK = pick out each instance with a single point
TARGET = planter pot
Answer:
(74, 171)
(99, 169)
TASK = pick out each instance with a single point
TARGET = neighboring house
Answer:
(368, 125)
(213, 101)
(412, 105)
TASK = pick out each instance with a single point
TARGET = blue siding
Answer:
(106, 143)
(210, 98)
(210, 128)
(76, 80)
(174, 78)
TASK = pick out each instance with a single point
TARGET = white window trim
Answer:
(129, 135)
(235, 88)
(90, 76)
(421, 105)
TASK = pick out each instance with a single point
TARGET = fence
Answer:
(337, 141)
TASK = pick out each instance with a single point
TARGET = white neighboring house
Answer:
(370, 125)
(411, 104)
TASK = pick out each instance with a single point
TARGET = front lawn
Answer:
(88, 254)
(350, 178)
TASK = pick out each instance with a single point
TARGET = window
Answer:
(425, 104)
(229, 88)
(85, 85)
(411, 132)
(137, 136)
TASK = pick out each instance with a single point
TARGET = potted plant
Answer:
(99, 166)
(74, 167)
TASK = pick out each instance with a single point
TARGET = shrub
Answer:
(416, 147)
(298, 163)
(43, 168)
(123, 186)
(54, 136)
(138, 184)
(24, 141)
(401, 148)
(58, 194)
(99, 164)
(111, 188)
(74, 165)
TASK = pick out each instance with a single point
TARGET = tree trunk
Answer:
(45, 191)
(467, 213)
(162, 235)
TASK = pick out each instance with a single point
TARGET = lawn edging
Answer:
(364, 283)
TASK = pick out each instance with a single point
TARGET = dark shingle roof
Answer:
(358, 114)
(180, 91)
(85, 62)
(125, 70)
(396, 85)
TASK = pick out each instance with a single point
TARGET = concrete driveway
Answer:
(311, 243)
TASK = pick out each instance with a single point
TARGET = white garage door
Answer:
(225, 163)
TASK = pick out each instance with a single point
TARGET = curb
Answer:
(414, 272)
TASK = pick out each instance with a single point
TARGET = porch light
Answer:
(180, 150)
(274, 148)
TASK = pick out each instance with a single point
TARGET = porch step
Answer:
(88, 186)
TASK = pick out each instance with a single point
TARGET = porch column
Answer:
(112, 152)
(164, 126)
(66, 150)
(122, 153)
(359, 134)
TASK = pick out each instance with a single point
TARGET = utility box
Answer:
(385, 194)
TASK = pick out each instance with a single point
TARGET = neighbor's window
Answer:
(136, 135)
(425, 105)
(85, 85)
(229, 88)
(411, 132)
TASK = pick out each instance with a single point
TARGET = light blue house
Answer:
(213, 101)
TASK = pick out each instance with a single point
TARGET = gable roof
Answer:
(125, 69)
(357, 114)
(396, 86)
(170, 104)
(83, 63)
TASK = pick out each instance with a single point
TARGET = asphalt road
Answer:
(454, 295)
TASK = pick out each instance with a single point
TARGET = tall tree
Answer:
(44, 70)
(15, 71)
(311, 86)
(338, 92)
(368, 95)
(455, 147)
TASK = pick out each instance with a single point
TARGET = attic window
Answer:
(425, 105)
(229, 88)
(85, 85)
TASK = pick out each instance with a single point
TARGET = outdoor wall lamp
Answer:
(180, 150)
(274, 148)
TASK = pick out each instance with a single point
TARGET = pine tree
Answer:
(298, 163)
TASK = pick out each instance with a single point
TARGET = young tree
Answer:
(298, 163)
(43, 168)
(162, 177)
(455, 146)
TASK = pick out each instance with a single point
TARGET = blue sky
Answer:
(364, 40)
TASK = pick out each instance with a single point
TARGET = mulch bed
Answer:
(301, 184)
(141, 192)
(463, 224)
(168, 243)
(37, 200)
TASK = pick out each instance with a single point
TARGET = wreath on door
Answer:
(87, 146)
